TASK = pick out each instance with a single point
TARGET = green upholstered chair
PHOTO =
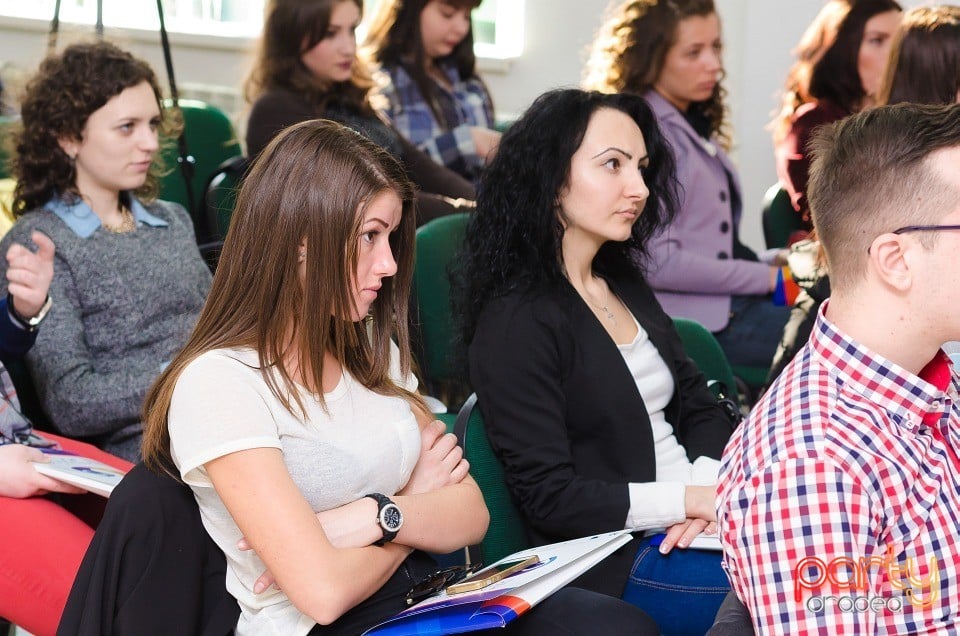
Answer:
(506, 533)
(211, 140)
(437, 244)
(705, 351)
(753, 378)
(220, 195)
(779, 218)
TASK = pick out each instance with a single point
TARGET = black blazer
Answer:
(564, 416)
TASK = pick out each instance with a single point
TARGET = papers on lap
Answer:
(706, 542)
(500, 603)
(82, 472)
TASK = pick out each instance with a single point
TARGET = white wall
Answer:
(758, 38)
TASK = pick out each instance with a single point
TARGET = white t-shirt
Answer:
(660, 503)
(363, 443)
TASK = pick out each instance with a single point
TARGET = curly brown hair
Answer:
(68, 88)
(290, 28)
(631, 47)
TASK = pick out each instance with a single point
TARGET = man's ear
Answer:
(891, 259)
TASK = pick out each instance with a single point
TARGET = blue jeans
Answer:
(756, 325)
(681, 590)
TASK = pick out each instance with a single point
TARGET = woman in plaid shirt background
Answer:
(434, 96)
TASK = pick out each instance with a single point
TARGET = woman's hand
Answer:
(681, 534)
(700, 502)
(486, 141)
(19, 479)
(29, 275)
(441, 461)
(700, 505)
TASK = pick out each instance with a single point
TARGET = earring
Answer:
(303, 255)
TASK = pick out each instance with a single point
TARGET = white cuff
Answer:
(655, 504)
(705, 471)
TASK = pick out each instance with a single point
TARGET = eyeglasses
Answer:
(922, 228)
(433, 583)
(925, 228)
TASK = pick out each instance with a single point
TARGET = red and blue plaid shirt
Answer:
(449, 143)
(839, 497)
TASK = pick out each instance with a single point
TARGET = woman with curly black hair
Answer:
(670, 51)
(600, 419)
(128, 279)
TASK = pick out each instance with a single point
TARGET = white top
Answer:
(660, 503)
(364, 442)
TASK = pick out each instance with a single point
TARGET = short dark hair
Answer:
(67, 89)
(870, 175)
(925, 58)
(514, 236)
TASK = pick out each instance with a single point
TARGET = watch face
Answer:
(391, 517)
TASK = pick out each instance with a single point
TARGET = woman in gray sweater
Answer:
(128, 279)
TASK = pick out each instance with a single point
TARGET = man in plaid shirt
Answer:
(839, 503)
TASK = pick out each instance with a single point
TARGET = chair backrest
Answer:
(437, 244)
(780, 220)
(507, 532)
(211, 140)
(220, 195)
(705, 351)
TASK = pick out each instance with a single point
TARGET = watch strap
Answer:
(382, 502)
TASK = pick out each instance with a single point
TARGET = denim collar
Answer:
(81, 219)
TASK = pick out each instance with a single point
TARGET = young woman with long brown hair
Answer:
(294, 417)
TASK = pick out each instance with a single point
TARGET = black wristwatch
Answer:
(29, 324)
(389, 517)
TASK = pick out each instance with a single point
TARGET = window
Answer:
(228, 18)
(497, 24)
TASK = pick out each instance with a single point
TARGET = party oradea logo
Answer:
(844, 583)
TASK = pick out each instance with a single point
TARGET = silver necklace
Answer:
(605, 308)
